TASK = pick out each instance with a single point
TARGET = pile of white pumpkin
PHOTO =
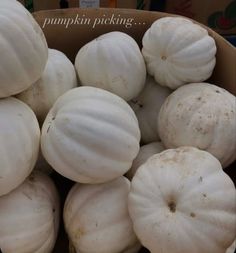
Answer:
(179, 200)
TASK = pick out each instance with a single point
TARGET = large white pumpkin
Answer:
(177, 52)
(23, 49)
(97, 220)
(200, 115)
(29, 217)
(147, 106)
(181, 201)
(112, 62)
(58, 77)
(19, 143)
(90, 135)
(145, 152)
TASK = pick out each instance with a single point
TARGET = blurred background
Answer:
(220, 15)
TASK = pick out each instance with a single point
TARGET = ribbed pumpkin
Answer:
(90, 135)
(58, 77)
(97, 220)
(182, 201)
(113, 62)
(147, 106)
(23, 49)
(178, 52)
(19, 143)
(201, 115)
(29, 217)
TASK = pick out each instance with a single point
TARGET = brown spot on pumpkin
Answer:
(217, 91)
(172, 206)
(48, 128)
(193, 215)
(163, 57)
(200, 179)
(204, 195)
(199, 98)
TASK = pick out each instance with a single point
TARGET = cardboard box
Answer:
(219, 15)
(68, 30)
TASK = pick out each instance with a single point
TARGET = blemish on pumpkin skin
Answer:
(204, 195)
(193, 215)
(200, 179)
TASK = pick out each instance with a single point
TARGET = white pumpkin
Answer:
(182, 201)
(232, 248)
(29, 217)
(177, 52)
(145, 152)
(200, 115)
(58, 77)
(90, 135)
(113, 62)
(147, 106)
(19, 143)
(96, 218)
(23, 49)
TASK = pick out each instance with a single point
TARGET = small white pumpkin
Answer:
(23, 49)
(200, 115)
(112, 62)
(147, 106)
(19, 143)
(96, 218)
(145, 152)
(182, 201)
(177, 52)
(58, 77)
(29, 217)
(90, 135)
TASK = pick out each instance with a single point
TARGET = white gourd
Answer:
(19, 143)
(96, 218)
(147, 106)
(113, 62)
(181, 201)
(145, 152)
(58, 77)
(23, 50)
(200, 115)
(29, 217)
(178, 52)
(90, 135)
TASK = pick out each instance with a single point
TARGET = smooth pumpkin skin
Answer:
(23, 50)
(58, 77)
(201, 115)
(96, 218)
(29, 216)
(19, 143)
(147, 106)
(177, 52)
(90, 135)
(182, 201)
(113, 62)
(145, 152)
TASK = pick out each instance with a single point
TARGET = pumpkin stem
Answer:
(172, 206)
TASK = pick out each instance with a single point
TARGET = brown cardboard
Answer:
(62, 33)
(216, 14)
(70, 38)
